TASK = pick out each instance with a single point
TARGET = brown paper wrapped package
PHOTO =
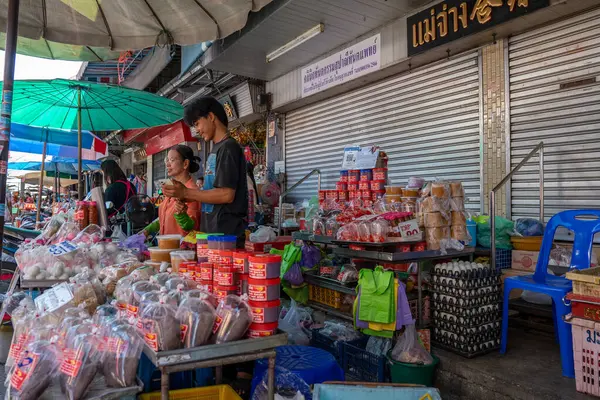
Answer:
(435, 220)
(440, 189)
(435, 235)
(456, 189)
(457, 204)
(458, 218)
(459, 232)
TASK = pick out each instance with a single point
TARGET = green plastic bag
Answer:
(504, 228)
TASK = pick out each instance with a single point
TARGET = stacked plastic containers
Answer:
(263, 293)
(225, 280)
(207, 246)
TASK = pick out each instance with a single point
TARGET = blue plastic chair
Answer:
(554, 286)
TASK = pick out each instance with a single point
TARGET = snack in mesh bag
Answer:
(160, 326)
(233, 319)
(33, 373)
(122, 355)
(197, 318)
(81, 360)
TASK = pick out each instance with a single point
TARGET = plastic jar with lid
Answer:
(344, 176)
(81, 214)
(206, 271)
(353, 176)
(213, 247)
(202, 247)
(240, 262)
(223, 291)
(225, 258)
(243, 284)
(366, 175)
(93, 213)
(177, 257)
(168, 241)
(228, 242)
(265, 312)
(264, 266)
(263, 289)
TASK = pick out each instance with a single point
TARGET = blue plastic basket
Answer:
(331, 345)
(362, 366)
(150, 377)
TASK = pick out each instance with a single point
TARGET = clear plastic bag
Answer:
(201, 294)
(364, 231)
(380, 228)
(287, 385)
(80, 363)
(348, 274)
(378, 346)
(37, 366)
(143, 273)
(339, 332)
(12, 300)
(409, 350)
(90, 235)
(293, 323)
(234, 317)
(197, 318)
(123, 349)
(140, 288)
(175, 281)
(348, 232)
(160, 326)
(263, 234)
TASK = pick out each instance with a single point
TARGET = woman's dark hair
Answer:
(188, 154)
(111, 170)
(201, 108)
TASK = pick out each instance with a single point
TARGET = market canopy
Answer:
(33, 178)
(131, 24)
(63, 165)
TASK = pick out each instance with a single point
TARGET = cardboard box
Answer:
(523, 260)
(514, 294)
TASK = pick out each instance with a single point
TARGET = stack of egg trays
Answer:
(467, 310)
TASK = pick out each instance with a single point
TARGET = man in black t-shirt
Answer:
(224, 197)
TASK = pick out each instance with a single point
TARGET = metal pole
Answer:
(39, 200)
(10, 49)
(542, 184)
(79, 145)
(58, 179)
(493, 228)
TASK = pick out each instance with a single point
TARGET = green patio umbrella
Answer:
(77, 105)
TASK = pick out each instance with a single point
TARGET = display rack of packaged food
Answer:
(216, 355)
(329, 283)
(402, 257)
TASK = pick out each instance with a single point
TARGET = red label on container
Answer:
(152, 340)
(71, 362)
(115, 345)
(259, 334)
(225, 278)
(258, 315)
(206, 274)
(258, 271)
(217, 324)
(257, 292)
(184, 329)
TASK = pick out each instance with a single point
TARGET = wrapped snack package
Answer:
(348, 232)
(440, 189)
(458, 218)
(33, 373)
(124, 292)
(143, 273)
(380, 228)
(122, 355)
(161, 278)
(174, 297)
(22, 319)
(460, 233)
(348, 274)
(457, 204)
(456, 189)
(364, 231)
(88, 275)
(160, 326)
(197, 318)
(84, 293)
(104, 314)
(90, 235)
(234, 317)
(201, 294)
(68, 232)
(434, 236)
(140, 288)
(81, 361)
(110, 276)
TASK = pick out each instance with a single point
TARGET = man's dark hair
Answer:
(201, 108)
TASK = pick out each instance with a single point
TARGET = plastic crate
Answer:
(218, 392)
(331, 345)
(150, 376)
(586, 335)
(325, 296)
(362, 366)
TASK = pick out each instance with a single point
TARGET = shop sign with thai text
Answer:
(453, 19)
(353, 62)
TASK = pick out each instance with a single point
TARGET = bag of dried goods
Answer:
(161, 278)
(81, 361)
(84, 293)
(201, 294)
(109, 277)
(175, 281)
(104, 314)
(22, 318)
(122, 355)
(160, 326)
(124, 293)
(197, 318)
(233, 319)
(33, 373)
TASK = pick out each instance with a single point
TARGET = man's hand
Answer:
(176, 190)
(180, 207)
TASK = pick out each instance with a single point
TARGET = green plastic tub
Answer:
(412, 373)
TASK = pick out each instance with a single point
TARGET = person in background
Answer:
(200, 183)
(225, 195)
(118, 188)
(175, 216)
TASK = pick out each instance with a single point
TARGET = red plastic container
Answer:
(262, 330)
(322, 194)
(341, 186)
(206, 272)
(421, 246)
(380, 174)
(366, 175)
(243, 284)
(585, 307)
(240, 262)
(342, 195)
(378, 186)
(364, 185)
(365, 194)
(332, 195)
(353, 176)
(225, 257)
(264, 267)
(226, 278)
(263, 289)
(353, 187)
(265, 312)
(223, 291)
(353, 195)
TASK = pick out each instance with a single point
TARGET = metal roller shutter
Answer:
(555, 98)
(427, 121)
(159, 169)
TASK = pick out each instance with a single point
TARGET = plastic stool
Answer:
(311, 364)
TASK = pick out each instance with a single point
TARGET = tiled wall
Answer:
(494, 128)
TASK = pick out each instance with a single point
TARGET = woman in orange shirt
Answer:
(174, 216)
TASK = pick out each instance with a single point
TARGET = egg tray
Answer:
(467, 311)
(467, 302)
(467, 351)
(482, 291)
(473, 274)
(452, 338)
(464, 283)
(468, 330)
(474, 321)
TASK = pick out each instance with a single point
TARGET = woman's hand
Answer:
(180, 207)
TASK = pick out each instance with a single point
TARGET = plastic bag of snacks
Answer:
(81, 361)
(380, 228)
(122, 355)
(160, 326)
(201, 294)
(161, 278)
(348, 232)
(143, 273)
(90, 235)
(140, 288)
(37, 366)
(22, 319)
(110, 276)
(12, 300)
(234, 317)
(197, 318)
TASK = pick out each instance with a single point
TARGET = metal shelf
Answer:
(40, 284)
(329, 283)
(309, 237)
(330, 310)
(402, 257)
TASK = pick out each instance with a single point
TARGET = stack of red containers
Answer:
(263, 293)
(225, 280)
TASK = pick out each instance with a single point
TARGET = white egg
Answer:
(28, 277)
(41, 275)
(34, 269)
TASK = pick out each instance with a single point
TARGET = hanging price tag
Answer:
(54, 298)
(62, 248)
